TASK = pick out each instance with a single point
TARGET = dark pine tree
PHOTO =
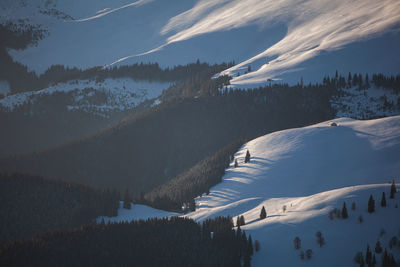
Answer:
(383, 200)
(247, 158)
(392, 190)
(362, 263)
(368, 255)
(250, 244)
(378, 248)
(297, 242)
(127, 200)
(344, 211)
(320, 239)
(263, 213)
(192, 205)
(242, 221)
(371, 204)
(257, 245)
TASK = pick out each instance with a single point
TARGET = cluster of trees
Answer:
(18, 37)
(137, 243)
(191, 183)
(308, 253)
(31, 204)
(362, 82)
(343, 213)
(387, 259)
(162, 142)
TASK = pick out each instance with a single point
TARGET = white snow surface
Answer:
(275, 37)
(137, 212)
(4, 88)
(120, 94)
(312, 170)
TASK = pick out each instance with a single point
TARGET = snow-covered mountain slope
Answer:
(366, 104)
(311, 171)
(97, 97)
(284, 39)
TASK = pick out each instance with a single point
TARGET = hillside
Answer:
(313, 170)
(158, 144)
(274, 39)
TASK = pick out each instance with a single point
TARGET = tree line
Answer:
(31, 204)
(136, 243)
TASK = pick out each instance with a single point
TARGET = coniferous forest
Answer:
(30, 205)
(137, 243)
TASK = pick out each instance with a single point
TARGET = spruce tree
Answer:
(362, 263)
(378, 248)
(242, 221)
(320, 239)
(383, 200)
(127, 200)
(344, 211)
(263, 213)
(368, 255)
(392, 190)
(247, 158)
(371, 204)
(250, 244)
(297, 242)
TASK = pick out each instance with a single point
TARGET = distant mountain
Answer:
(283, 40)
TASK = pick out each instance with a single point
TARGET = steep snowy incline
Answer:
(300, 176)
(284, 39)
(305, 161)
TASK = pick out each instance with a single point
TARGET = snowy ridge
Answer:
(276, 38)
(311, 171)
(92, 95)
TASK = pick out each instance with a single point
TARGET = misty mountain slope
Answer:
(311, 171)
(279, 40)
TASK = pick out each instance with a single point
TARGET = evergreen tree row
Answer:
(138, 243)
(31, 204)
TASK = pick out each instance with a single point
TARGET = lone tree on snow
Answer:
(297, 242)
(320, 239)
(263, 213)
(344, 211)
(257, 245)
(240, 221)
(383, 200)
(371, 204)
(308, 254)
(247, 158)
(392, 190)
